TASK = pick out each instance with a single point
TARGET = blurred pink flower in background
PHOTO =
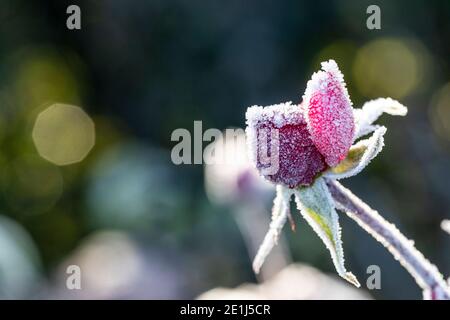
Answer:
(233, 182)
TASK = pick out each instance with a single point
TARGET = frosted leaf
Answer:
(425, 273)
(280, 214)
(329, 113)
(437, 293)
(445, 225)
(280, 145)
(372, 110)
(317, 207)
(359, 156)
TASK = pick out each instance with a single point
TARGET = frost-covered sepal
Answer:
(317, 207)
(371, 111)
(280, 213)
(359, 156)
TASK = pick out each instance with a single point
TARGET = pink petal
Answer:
(299, 161)
(329, 113)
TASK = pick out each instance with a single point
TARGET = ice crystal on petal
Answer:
(279, 132)
(372, 110)
(317, 207)
(329, 113)
(280, 214)
(359, 156)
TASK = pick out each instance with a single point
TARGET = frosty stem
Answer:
(426, 274)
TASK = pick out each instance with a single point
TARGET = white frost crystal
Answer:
(372, 110)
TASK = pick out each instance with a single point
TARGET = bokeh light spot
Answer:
(20, 263)
(132, 186)
(440, 112)
(110, 262)
(387, 67)
(63, 134)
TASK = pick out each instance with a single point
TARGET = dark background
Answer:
(141, 69)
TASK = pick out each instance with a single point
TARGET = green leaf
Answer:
(352, 160)
(359, 156)
(317, 207)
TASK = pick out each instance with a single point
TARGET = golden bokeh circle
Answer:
(440, 112)
(387, 67)
(63, 134)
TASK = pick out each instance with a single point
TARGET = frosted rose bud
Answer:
(329, 113)
(307, 140)
(281, 147)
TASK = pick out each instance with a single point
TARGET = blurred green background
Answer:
(142, 227)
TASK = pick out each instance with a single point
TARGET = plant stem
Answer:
(425, 273)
